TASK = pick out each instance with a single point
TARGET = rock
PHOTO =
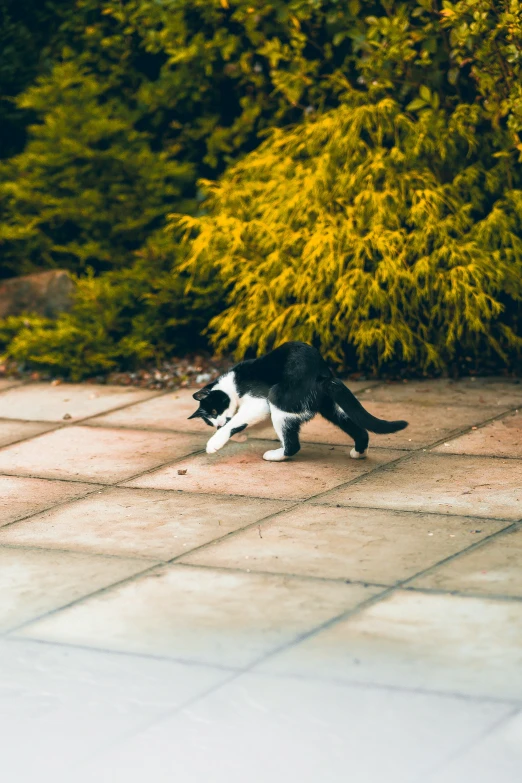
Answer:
(44, 293)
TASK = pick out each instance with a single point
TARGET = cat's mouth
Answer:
(222, 425)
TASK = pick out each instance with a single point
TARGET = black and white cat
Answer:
(291, 385)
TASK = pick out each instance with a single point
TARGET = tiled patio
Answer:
(167, 615)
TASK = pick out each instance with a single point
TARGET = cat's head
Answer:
(214, 406)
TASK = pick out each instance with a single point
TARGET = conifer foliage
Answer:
(364, 227)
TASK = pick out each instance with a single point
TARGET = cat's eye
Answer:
(213, 413)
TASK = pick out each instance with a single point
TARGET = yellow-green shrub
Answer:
(366, 228)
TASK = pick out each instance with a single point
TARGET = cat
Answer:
(291, 384)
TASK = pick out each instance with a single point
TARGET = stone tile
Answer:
(497, 757)
(89, 454)
(320, 731)
(44, 402)
(200, 615)
(444, 643)
(12, 431)
(500, 393)
(428, 424)
(239, 469)
(501, 438)
(20, 497)
(165, 412)
(73, 703)
(138, 522)
(8, 383)
(444, 484)
(365, 545)
(34, 582)
(492, 569)
(171, 411)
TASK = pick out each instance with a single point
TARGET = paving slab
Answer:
(94, 454)
(13, 431)
(320, 731)
(45, 402)
(8, 383)
(20, 497)
(367, 545)
(74, 703)
(502, 438)
(442, 484)
(445, 643)
(427, 424)
(138, 522)
(239, 469)
(500, 393)
(201, 615)
(496, 757)
(171, 411)
(34, 582)
(495, 568)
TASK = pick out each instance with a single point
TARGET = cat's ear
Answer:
(202, 393)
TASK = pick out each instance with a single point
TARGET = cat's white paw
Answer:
(215, 443)
(358, 454)
(276, 455)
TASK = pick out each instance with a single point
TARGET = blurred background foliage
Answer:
(348, 173)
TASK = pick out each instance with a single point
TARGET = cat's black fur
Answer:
(292, 384)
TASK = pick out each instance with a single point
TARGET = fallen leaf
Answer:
(182, 472)
(66, 416)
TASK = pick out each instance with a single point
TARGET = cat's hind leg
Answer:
(332, 412)
(287, 426)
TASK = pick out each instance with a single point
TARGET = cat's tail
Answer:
(353, 408)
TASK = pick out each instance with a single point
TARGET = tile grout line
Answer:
(74, 602)
(10, 637)
(52, 426)
(55, 505)
(467, 746)
(89, 553)
(352, 582)
(459, 593)
(471, 548)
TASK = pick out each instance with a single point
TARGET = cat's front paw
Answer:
(215, 443)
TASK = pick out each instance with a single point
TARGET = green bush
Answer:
(27, 30)
(87, 189)
(381, 216)
(119, 320)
